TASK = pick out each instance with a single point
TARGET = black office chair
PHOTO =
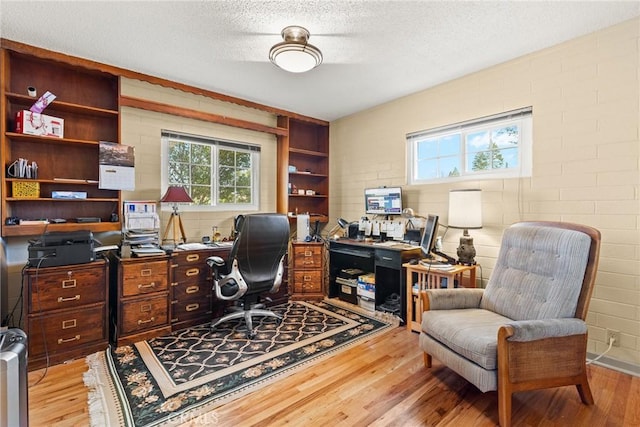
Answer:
(255, 266)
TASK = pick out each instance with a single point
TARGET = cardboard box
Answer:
(31, 123)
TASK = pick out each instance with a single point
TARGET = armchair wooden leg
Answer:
(427, 359)
(504, 406)
(584, 390)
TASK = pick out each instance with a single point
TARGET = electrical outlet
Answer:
(615, 335)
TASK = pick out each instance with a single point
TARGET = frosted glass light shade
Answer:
(295, 54)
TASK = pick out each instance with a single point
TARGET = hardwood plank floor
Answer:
(381, 382)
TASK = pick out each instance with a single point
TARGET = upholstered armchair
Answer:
(526, 329)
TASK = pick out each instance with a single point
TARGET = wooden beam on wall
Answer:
(144, 104)
(122, 72)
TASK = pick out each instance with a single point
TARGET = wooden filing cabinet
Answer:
(192, 288)
(308, 270)
(140, 308)
(67, 309)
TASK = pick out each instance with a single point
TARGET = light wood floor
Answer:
(381, 382)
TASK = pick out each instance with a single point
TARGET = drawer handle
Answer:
(62, 299)
(150, 285)
(308, 253)
(193, 257)
(64, 340)
(192, 307)
(71, 283)
(192, 289)
(142, 322)
(308, 262)
(145, 272)
(68, 324)
(306, 278)
(386, 258)
(192, 272)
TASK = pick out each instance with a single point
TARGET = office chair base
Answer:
(247, 315)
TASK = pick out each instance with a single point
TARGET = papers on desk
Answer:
(196, 246)
(396, 245)
(437, 266)
(147, 251)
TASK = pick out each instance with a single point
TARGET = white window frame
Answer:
(216, 144)
(522, 117)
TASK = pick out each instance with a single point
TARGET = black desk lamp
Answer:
(342, 223)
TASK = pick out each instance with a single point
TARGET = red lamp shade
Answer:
(176, 195)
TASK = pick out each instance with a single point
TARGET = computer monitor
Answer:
(429, 235)
(383, 201)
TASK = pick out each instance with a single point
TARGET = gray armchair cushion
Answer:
(537, 271)
(448, 299)
(472, 333)
(531, 330)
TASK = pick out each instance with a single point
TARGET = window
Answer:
(215, 173)
(497, 146)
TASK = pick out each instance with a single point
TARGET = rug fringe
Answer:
(389, 318)
(97, 410)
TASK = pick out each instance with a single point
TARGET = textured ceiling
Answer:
(374, 51)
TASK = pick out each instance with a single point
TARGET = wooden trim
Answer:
(158, 107)
(122, 72)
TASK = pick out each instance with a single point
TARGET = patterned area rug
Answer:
(167, 380)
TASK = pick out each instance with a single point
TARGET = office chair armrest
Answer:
(215, 261)
(532, 330)
(450, 299)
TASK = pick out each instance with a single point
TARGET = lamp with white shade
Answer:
(465, 212)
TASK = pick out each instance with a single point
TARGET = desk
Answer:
(385, 261)
(431, 278)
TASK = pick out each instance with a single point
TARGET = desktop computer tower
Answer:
(14, 409)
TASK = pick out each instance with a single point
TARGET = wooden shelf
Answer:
(308, 152)
(49, 139)
(312, 175)
(50, 199)
(62, 106)
(88, 102)
(37, 229)
(307, 149)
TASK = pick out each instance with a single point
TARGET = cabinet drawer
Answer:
(68, 289)
(190, 290)
(197, 273)
(189, 309)
(390, 259)
(67, 330)
(144, 277)
(144, 313)
(307, 281)
(307, 257)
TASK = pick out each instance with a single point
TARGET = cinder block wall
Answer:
(142, 129)
(585, 97)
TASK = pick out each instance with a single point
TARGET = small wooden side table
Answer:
(432, 278)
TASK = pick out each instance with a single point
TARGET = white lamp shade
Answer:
(465, 209)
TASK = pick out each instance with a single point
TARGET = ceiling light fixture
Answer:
(295, 54)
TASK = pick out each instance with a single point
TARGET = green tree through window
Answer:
(214, 173)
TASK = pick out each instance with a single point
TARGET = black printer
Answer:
(62, 248)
